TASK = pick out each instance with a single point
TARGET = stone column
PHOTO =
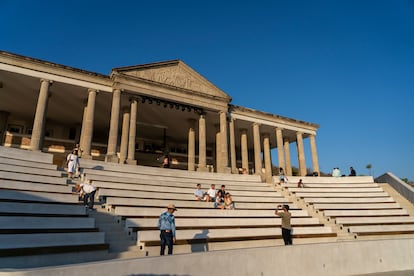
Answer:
(301, 154)
(132, 133)
(280, 152)
(191, 145)
(4, 116)
(232, 147)
(85, 111)
(87, 125)
(288, 169)
(218, 149)
(36, 140)
(224, 153)
(257, 149)
(111, 155)
(124, 137)
(202, 165)
(244, 149)
(315, 163)
(267, 158)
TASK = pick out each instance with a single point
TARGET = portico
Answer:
(138, 114)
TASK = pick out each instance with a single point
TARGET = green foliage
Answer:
(369, 168)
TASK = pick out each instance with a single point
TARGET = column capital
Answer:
(133, 99)
(126, 109)
(93, 90)
(46, 80)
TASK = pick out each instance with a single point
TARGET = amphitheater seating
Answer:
(313, 200)
(39, 214)
(209, 235)
(139, 195)
(382, 229)
(357, 204)
(143, 202)
(232, 222)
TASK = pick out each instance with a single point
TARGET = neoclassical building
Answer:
(139, 113)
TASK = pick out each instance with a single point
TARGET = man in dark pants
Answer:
(286, 226)
(166, 224)
(87, 191)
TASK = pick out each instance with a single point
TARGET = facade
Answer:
(140, 113)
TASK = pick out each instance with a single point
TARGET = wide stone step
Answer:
(24, 163)
(34, 187)
(32, 222)
(26, 155)
(38, 196)
(57, 180)
(134, 169)
(42, 209)
(155, 212)
(125, 201)
(9, 241)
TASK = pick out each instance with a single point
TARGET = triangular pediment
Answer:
(174, 73)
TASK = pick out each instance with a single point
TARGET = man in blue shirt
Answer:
(166, 224)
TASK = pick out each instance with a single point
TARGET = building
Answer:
(138, 114)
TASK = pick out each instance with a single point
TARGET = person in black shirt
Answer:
(353, 172)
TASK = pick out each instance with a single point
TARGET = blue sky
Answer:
(345, 65)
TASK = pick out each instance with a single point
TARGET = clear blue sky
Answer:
(345, 65)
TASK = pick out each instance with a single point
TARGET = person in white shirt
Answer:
(88, 192)
(212, 193)
(72, 163)
(200, 195)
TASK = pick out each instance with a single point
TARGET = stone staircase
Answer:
(342, 233)
(121, 244)
(407, 205)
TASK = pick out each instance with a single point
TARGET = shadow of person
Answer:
(199, 243)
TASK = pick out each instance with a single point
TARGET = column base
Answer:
(225, 170)
(131, 162)
(269, 178)
(262, 176)
(113, 158)
(86, 156)
(202, 169)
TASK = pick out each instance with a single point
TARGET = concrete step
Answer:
(120, 242)
(405, 204)
(26, 155)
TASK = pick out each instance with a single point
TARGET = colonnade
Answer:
(226, 160)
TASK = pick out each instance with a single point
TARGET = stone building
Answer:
(139, 113)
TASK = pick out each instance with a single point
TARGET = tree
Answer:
(369, 167)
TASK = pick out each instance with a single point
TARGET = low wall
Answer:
(340, 258)
(400, 186)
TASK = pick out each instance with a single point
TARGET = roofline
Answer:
(60, 66)
(242, 108)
